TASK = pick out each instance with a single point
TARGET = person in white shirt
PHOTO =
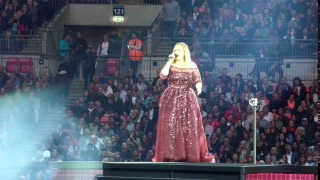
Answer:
(207, 128)
(130, 124)
(267, 115)
(103, 47)
(107, 90)
(141, 85)
(96, 142)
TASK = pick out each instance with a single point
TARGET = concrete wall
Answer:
(101, 15)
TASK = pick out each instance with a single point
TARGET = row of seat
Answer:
(23, 64)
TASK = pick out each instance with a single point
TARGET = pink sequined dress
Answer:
(180, 133)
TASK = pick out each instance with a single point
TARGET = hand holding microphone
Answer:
(171, 58)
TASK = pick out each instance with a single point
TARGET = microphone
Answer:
(172, 56)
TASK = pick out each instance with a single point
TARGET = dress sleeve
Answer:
(196, 77)
(163, 77)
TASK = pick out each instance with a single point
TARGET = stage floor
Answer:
(198, 170)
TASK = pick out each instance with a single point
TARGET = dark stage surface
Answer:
(157, 171)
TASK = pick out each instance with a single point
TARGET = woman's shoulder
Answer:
(188, 65)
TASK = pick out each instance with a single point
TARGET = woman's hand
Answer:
(199, 88)
(171, 58)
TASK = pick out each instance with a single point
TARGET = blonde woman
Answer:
(180, 133)
(46, 72)
(300, 131)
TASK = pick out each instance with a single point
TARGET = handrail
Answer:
(156, 22)
(119, 2)
(161, 38)
(54, 45)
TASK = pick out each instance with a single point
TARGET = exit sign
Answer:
(117, 19)
(118, 13)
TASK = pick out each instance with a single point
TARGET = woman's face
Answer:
(85, 93)
(105, 38)
(144, 138)
(284, 158)
(245, 88)
(155, 89)
(281, 136)
(182, 22)
(233, 89)
(305, 30)
(204, 101)
(294, 145)
(222, 148)
(284, 130)
(298, 138)
(137, 127)
(218, 131)
(235, 157)
(233, 81)
(25, 8)
(178, 50)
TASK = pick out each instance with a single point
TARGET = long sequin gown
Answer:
(180, 133)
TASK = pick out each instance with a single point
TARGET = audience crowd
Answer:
(20, 18)
(115, 121)
(24, 102)
(289, 25)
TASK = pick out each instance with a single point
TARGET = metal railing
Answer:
(122, 2)
(270, 67)
(274, 69)
(234, 47)
(38, 63)
(154, 46)
(20, 44)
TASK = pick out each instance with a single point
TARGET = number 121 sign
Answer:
(118, 11)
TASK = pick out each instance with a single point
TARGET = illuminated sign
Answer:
(118, 11)
(117, 19)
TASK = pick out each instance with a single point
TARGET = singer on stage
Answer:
(180, 133)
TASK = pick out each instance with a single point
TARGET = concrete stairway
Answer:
(20, 156)
(43, 132)
(131, 2)
(76, 90)
(34, 43)
(163, 49)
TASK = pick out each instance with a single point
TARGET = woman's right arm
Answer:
(165, 70)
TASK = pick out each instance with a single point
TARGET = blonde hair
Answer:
(187, 54)
(300, 128)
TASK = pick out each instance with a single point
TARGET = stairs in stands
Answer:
(76, 90)
(21, 155)
(163, 49)
(131, 2)
(33, 45)
(43, 132)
